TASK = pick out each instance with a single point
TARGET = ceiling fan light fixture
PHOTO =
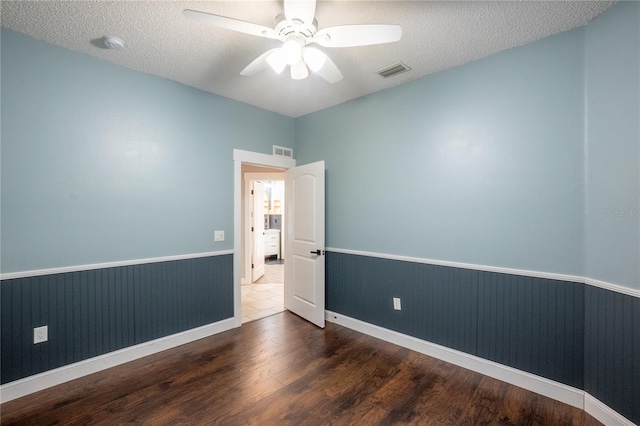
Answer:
(314, 58)
(299, 71)
(277, 61)
(292, 51)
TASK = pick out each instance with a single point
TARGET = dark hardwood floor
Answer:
(283, 370)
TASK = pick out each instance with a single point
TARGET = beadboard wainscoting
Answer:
(94, 312)
(612, 350)
(583, 339)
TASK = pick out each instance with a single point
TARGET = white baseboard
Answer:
(558, 391)
(38, 382)
(603, 413)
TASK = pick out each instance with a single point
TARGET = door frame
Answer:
(241, 157)
(250, 177)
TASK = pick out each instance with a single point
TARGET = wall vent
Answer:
(282, 151)
(393, 70)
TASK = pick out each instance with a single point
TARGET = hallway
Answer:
(265, 297)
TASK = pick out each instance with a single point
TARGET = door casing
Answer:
(241, 157)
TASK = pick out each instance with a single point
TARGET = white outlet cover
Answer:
(396, 304)
(40, 334)
(218, 235)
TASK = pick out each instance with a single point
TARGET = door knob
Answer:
(318, 252)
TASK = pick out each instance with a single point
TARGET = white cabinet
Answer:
(272, 242)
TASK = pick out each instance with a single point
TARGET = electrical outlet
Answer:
(396, 304)
(40, 334)
(218, 236)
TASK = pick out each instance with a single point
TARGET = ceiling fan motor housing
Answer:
(286, 28)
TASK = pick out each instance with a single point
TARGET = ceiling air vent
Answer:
(282, 151)
(393, 70)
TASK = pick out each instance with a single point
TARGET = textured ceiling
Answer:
(161, 41)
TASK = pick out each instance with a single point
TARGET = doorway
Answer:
(304, 280)
(247, 160)
(262, 290)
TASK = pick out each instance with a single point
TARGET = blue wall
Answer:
(101, 163)
(480, 164)
(612, 226)
(496, 162)
(612, 69)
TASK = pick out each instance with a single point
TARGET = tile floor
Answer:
(265, 297)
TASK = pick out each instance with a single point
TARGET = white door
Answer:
(257, 231)
(304, 261)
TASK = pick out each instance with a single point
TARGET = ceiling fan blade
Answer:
(277, 60)
(258, 64)
(299, 71)
(330, 72)
(357, 35)
(231, 24)
(303, 10)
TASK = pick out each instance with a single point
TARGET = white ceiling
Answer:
(161, 41)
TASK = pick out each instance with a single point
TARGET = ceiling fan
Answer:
(297, 29)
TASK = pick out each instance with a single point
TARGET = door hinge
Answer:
(252, 192)
(252, 229)
(252, 266)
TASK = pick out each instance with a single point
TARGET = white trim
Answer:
(558, 391)
(613, 287)
(603, 413)
(523, 272)
(38, 382)
(65, 269)
(246, 157)
(258, 159)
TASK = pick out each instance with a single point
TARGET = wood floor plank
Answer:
(282, 370)
(519, 407)
(447, 405)
(347, 391)
(485, 404)
(403, 394)
(307, 385)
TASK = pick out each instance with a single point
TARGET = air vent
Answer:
(282, 151)
(393, 70)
